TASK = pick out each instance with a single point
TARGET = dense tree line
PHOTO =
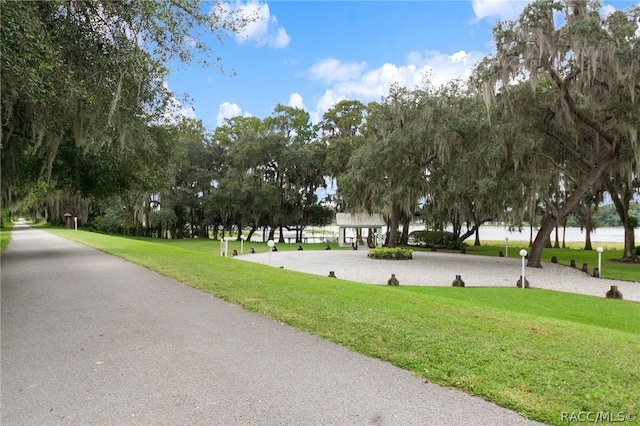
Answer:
(542, 131)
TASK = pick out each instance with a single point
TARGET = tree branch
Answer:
(564, 90)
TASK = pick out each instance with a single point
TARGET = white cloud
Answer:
(328, 100)
(227, 110)
(330, 70)
(422, 68)
(607, 10)
(502, 9)
(376, 83)
(296, 101)
(442, 68)
(262, 28)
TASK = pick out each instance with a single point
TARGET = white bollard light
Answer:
(270, 243)
(600, 250)
(523, 254)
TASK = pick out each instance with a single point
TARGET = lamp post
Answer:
(242, 238)
(270, 243)
(523, 254)
(600, 250)
(506, 246)
(224, 246)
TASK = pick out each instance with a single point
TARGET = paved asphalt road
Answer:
(89, 339)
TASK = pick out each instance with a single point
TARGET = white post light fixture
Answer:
(600, 250)
(242, 238)
(506, 246)
(224, 247)
(75, 223)
(523, 254)
(270, 243)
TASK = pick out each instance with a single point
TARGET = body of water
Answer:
(499, 233)
(572, 235)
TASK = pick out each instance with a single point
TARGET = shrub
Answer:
(114, 221)
(397, 253)
(436, 239)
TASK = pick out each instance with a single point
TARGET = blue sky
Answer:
(312, 54)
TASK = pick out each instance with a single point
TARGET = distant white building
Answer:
(359, 221)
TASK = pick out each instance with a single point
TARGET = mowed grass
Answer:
(611, 265)
(5, 235)
(538, 352)
(213, 246)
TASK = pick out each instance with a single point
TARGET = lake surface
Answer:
(499, 233)
(572, 235)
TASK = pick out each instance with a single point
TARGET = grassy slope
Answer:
(541, 355)
(5, 235)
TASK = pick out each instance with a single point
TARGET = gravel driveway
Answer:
(440, 269)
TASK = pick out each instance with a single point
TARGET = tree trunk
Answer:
(539, 244)
(477, 241)
(469, 233)
(621, 198)
(557, 243)
(404, 238)
(281, 237)
(550, 221)
(587, 228)
(203, 232)
(250, 234)
(587, 239)
(393, 226)
(629, 254)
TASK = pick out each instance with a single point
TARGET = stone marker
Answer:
(393, 280)
(458, 282)
(519, 283)
(614, 293)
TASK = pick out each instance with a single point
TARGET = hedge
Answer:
(436, 239)
(397, 253)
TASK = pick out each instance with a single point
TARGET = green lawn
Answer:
(213, 246)
(541, 355)
(5, 234)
